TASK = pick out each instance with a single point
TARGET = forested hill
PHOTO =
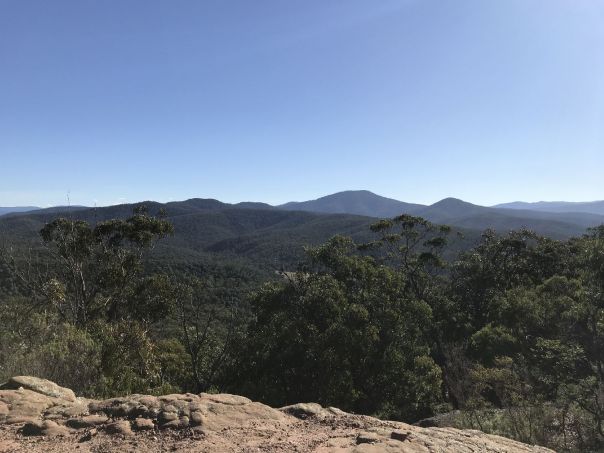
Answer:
(593, 207)
(457, 213)
(260, 229)
(271, 237)
(361, 202)
(253, 233)
(9, 209)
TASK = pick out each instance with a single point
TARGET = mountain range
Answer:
(215, 225)
(249, 241)
(252, 235)
(561, 222)
(593, 207)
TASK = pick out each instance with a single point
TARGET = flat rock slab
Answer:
(87, 421)
(41, 386)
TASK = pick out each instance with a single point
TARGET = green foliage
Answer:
(129, 361)
(174, 372)
(209, 319)
(94, 304)
(96, 271)
(40, 345)
(529, 313)
(349, 335)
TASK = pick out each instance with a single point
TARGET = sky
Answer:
(112, 101)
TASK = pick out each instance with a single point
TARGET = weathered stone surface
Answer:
(88, 436)
(23, 403)
(197, 418)
(143, 424)
(225, 398)
(367, 438)
(18, 419)
(122, 407)
(400, 434)
(304, 410)
(46, 428)
(121, 427)
(180, 423)
(62, 409)
(205, 422)
(41, 386)
(86, 422)
(167, 416)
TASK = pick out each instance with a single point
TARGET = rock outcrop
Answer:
(39, 416)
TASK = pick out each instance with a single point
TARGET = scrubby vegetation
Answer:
(506, 336)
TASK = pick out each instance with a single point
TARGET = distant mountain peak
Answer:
(455, 205)
(359, 202)
(452, 201)
(341, 194)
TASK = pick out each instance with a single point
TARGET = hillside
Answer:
(263, 232)
(261, 238)
(461, 214)
(591, 207)
(360, 202)
(11, 209)
(39, 416)
(253, 232)
(237, 245)
(457, 213)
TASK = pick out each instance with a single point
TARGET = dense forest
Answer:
(399, 318)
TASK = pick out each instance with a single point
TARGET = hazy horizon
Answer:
(111, 102)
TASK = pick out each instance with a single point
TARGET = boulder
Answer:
(367, 438)
(304, 410)
(143, 424)
(179, 423)
(46, 428)
(42, 386)
(121, 427)
(86, 422)
(24, 403)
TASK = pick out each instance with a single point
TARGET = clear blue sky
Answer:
(274, 100)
